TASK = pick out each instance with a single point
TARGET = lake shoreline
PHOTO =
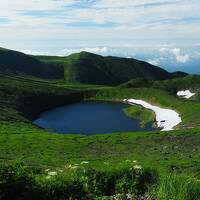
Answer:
(166, 119)
(79, 118)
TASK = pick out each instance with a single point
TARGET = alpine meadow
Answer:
(100, 100)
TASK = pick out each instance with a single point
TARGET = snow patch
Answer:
(185, 94)
(166, 119)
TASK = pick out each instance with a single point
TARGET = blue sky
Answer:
(162, 32)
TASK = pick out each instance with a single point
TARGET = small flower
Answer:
(52, 173)
(68, 166)
(134, 161)
(84, 162)
(137, 167)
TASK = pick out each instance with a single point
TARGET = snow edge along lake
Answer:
(166, 119)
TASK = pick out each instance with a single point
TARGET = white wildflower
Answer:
(134, 161)
(137, 167)
(52, 173)
(68, 166)
(84, 162)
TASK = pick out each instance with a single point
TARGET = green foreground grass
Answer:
(82, 182)
(174, 155)
(166, 151)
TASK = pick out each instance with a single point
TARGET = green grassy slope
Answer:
(13, 62)
(191, 82)
(86, 67)
(22, 99)
(81, 67)
(111, 162)
(162, 151)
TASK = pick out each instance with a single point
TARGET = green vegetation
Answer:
(20, 182)
(178, 188)
(38, 164)
(191, 82)
(13, 62)
(84, 67)
(137, 112)
(167, 152)
(188, 109)
(94, 69)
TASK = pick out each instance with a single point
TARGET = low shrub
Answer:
(178, 187)
(15, 181)
(20, 182)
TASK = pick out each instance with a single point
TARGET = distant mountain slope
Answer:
(82, 67)
(19, 63)
(191, 82)
(86, 67)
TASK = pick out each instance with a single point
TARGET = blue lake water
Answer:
(89, 118)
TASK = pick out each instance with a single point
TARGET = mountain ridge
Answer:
(83, 67)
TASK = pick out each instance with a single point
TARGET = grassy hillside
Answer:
(191, 82)
(22, 98)
(86, 67)
(57, 166)
(38, 164)
(13, 62)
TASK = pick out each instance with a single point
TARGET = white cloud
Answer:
(180, 58)
(141, 22)
(177, 54)
(105, 51)
(96, 50)
(196, 55)
(155, 61)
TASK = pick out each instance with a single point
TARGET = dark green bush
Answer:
(15, 181)
(127, 180)
(59, 188)
(20, 182)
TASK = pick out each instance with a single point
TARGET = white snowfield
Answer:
(185, 94)
(166, 119)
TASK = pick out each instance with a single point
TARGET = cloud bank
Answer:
(98, 22)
